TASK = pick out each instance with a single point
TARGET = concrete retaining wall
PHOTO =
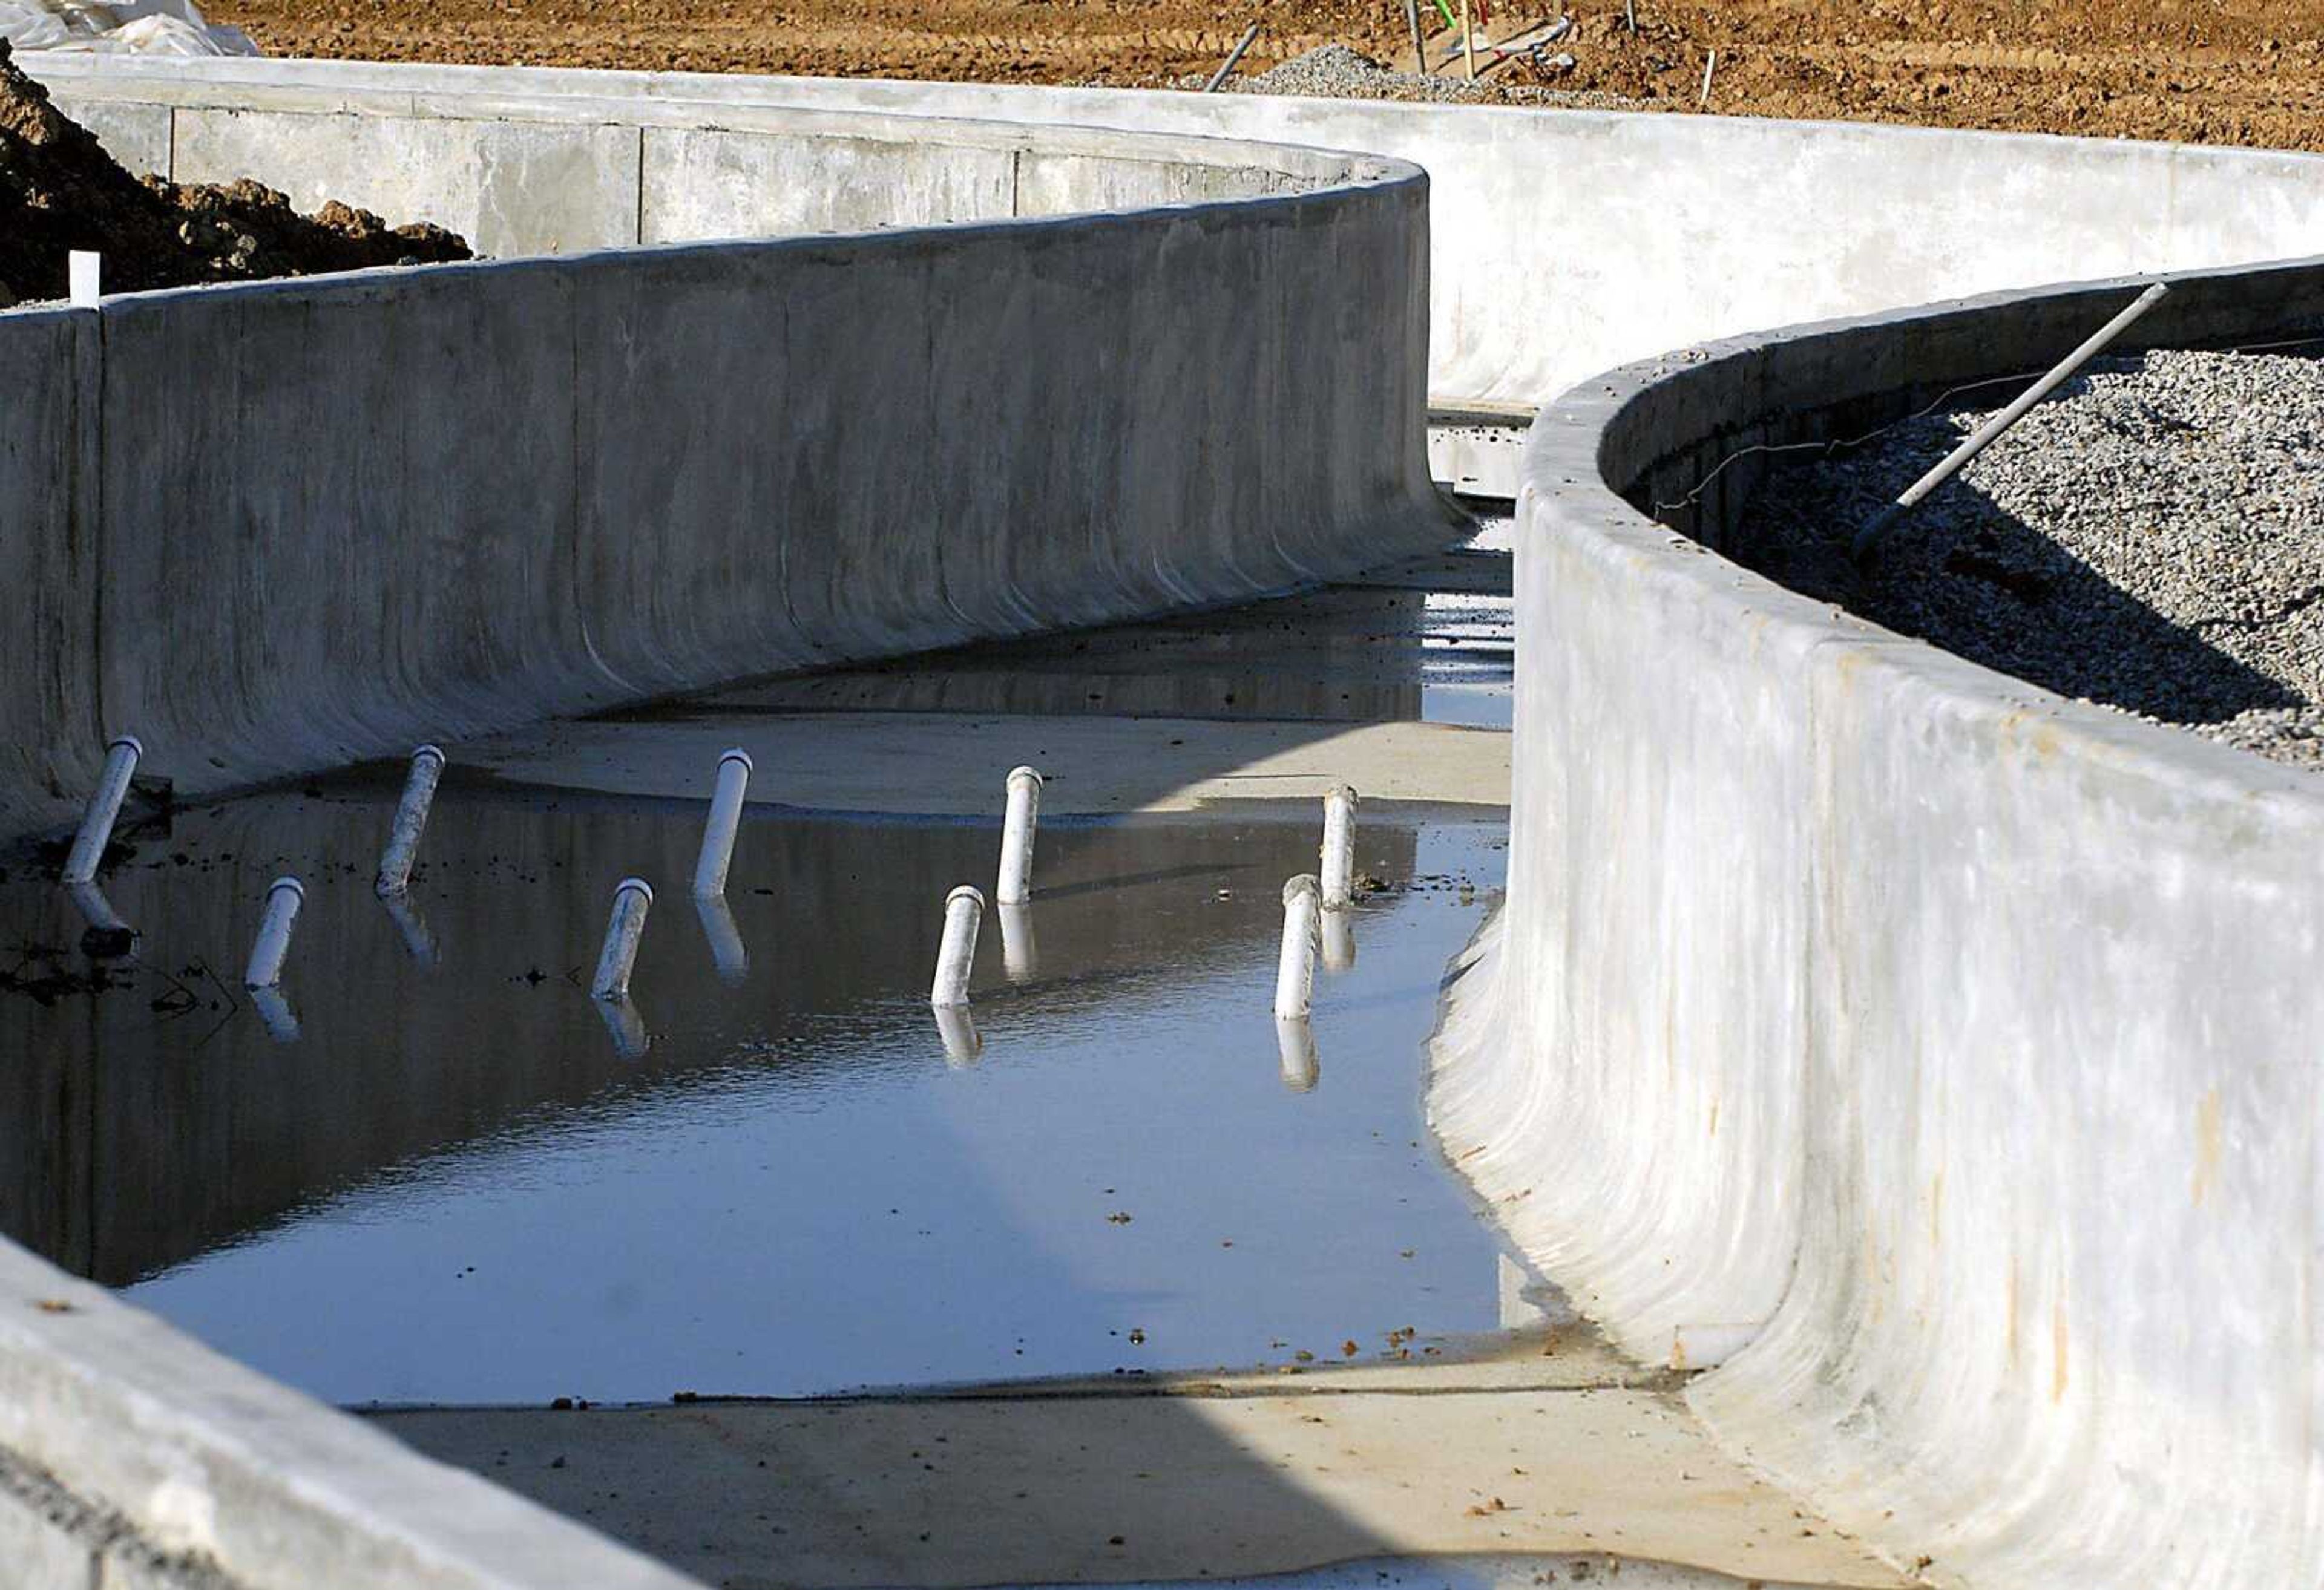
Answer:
(280, 527)
(1937, 1052)
(1566, 242)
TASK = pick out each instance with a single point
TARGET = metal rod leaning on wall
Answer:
(1234, 55)
(1867, 539)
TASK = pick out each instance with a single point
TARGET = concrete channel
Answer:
(792, 414)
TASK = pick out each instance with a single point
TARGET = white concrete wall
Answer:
(1937, 1053)
(1565, 242)
(322, 520)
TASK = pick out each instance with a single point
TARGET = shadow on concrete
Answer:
(1965, 574)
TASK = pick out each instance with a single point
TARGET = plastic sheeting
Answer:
(132, 27)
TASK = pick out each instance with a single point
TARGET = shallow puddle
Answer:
(460, 1182)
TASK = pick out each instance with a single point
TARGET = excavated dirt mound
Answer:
(58, 191)
(2220, 71)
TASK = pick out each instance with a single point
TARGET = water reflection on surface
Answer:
(774, 1172)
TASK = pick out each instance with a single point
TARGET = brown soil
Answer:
(58, 191)
(2222, 71)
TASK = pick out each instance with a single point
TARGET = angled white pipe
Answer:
(962, 1041)
(1295, 1047)
(1016, 884)
(103, 809)
(284, 896)
(1020, 956)
(411, 927)
(957, 954)
(734, 769)
(1294, 970)
(1339, 875)
(728, 954)
(632, 899)
(411, 822)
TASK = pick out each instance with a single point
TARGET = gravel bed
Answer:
(1336, 71)
(2151, 540)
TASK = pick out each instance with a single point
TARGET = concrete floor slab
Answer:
(1233, 1477)
(952, 765)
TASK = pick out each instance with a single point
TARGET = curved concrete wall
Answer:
(1566, 242)
(283, 525)
(1937, 1052)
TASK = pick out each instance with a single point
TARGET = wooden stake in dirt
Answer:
(1708, 66)
(1468, 40)
(1233, 56)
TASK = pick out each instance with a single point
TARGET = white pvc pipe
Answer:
(1016, 885)
(274, 1010)
(1339, 846)
(626, 1027)
(1869, 537)
(411, 822)
(734, 769)
(103, 809)
(1020, 957)
(1338, 941)
(1295, 970)
(1295, 1047)
(728, 954)
(956, 955)
(632, 899)
(284, 896)
(962, 1041)
(419, 938)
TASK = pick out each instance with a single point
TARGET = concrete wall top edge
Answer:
(1581, 465)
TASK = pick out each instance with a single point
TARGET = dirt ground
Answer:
(58, 191)
(2222, 71)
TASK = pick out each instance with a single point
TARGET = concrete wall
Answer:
(1938, 1053)
(1566, 242)
(285, 526)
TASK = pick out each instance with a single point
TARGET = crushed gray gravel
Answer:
(2151, 540)
(1336, 71)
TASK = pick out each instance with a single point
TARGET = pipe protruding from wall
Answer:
(1339, 875)
(284, 896)
(734, 769)
(956, 955)
(1295, 1045)
(632, 899)
(106, 937)
(1295, 970)
(103, 809)
(728, 954)
(1016, 885)
(411, 822)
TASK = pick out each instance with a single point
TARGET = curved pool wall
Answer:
(280, 527)
(1563, 242)
(1937, 1052)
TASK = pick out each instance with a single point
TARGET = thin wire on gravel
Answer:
(2151, 538)
(1336, 71)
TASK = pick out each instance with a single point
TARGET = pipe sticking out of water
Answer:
(632, 899)
(284, 896)
(728, 953)
(734, 769)
(1338, 941)
(956, 955)
(1295, 1045)
(1020, 957)
(103, 809)
(1339, 846)
(1016, 885)
(957, 1025)
(1295, 971)
(411, 822)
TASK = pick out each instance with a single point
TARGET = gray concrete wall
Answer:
(311, 522)
(1565, 242)
(1933, 1054)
